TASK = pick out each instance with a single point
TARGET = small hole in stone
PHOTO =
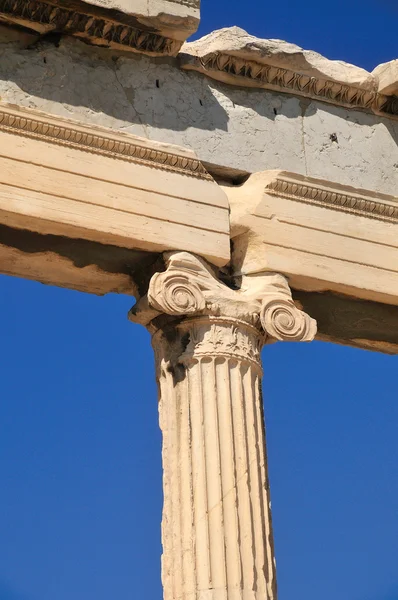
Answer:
(333, 138)
(157, 83)
(275, 111)
(45, 60)
(200, 102)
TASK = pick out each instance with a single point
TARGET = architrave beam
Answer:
(62, 178)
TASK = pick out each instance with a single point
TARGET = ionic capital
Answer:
(189, 287)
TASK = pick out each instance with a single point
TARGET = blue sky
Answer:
(80, 448)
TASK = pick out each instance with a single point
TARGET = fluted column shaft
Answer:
(207, 335)
(217, 535)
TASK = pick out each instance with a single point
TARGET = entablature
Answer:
(62, 178)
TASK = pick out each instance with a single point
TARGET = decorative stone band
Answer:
(220, 337)
(189, 287)
(48, 16)
(26, 123)
(249, 73)
(384, 209)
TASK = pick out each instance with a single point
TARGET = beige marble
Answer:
(216, 531)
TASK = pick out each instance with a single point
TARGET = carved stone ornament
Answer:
(104, 28)
(233, 56)
(362, 203)
(190, 288)
(96, 140)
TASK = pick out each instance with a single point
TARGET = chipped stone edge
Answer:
(249, 73)
(98, 30)
(98, 141)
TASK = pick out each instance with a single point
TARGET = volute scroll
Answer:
(190, 287)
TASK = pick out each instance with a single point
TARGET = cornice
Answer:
(383, 209)
(47, 16)
(60, 132)
(249, 73)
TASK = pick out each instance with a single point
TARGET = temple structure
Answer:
(244, 191)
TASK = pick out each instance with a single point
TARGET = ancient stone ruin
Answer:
(244, 191)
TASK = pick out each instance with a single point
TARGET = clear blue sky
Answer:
(80, 470)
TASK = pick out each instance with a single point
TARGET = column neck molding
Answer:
(189, 287)
(215, 337)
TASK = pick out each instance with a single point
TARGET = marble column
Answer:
(207, 338)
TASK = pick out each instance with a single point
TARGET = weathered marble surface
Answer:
(253, 130)
(152, 27)
(178, 18)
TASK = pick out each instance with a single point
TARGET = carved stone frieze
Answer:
(232, 56)
(249, 73)
(96, 26)
(189, 288)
